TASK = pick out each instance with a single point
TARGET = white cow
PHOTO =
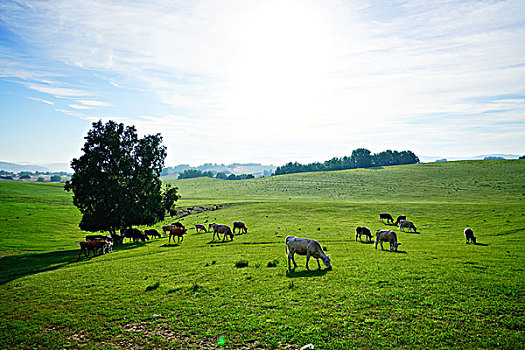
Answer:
(469, 235)
(308, 247)
(386, 236)
(407, 224)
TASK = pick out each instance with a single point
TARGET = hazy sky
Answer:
(264, 81)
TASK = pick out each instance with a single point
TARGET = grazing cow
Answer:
(241, 226)
(224, 229)
(152, 233)
(178, 232)
(399, 218)
(386, 236)
(363, 231)
(178, 224)
(308, 247)
(387, 217)
(134, 234)
(93, 246)
(200, 227)
(407, 224)
(469, 235)
(117, 239)
(165, 229)
(108, 248)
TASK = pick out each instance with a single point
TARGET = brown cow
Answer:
(88, 246)
(241, 226)
(200, 227)
(179, 232)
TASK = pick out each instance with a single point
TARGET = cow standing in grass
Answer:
(363, 231)
(386, 236)
(387, 217)
(224, 229)
(407, 224)
(178, 232)
(93, 246)
(399, 218)
(469, 235)
(308, 247)
(240, 226)
(200, 227)
(152, 233)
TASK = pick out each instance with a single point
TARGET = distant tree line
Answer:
(360, 158)
(193, 173)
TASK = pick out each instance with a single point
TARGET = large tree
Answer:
(117, 182)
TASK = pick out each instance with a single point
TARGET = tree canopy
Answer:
(360, 158)
(116, 182)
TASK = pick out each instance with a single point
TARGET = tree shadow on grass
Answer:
(13, 267)
(16, 266)
(306, 273)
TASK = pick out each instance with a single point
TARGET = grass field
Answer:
(436, 292)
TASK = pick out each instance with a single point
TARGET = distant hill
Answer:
(16, 168)
(255, 169)
(431, 159)
(52, 167)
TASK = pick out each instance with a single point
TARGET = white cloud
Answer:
(94, 103)
(41, 100)
(58, 92)
(291, 75)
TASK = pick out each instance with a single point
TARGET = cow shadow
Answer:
(170, 245)
(482, 244)
(394, 251)
(306, 273)
(219, 242)
(366, 242)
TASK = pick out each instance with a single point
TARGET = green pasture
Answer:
(436, 292)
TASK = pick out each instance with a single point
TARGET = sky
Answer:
(270, 82)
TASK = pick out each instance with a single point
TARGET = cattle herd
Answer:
(100, 244)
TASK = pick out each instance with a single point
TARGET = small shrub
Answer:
(153, 286)
(241, 263)
(257, 265)
(195, 287)
(291, 285)
(273, 263)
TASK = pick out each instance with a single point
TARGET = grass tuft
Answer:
(273, 263)
(241, 263)
(153, 286)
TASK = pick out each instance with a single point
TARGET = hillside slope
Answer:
(435, 292)
(465, 181)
